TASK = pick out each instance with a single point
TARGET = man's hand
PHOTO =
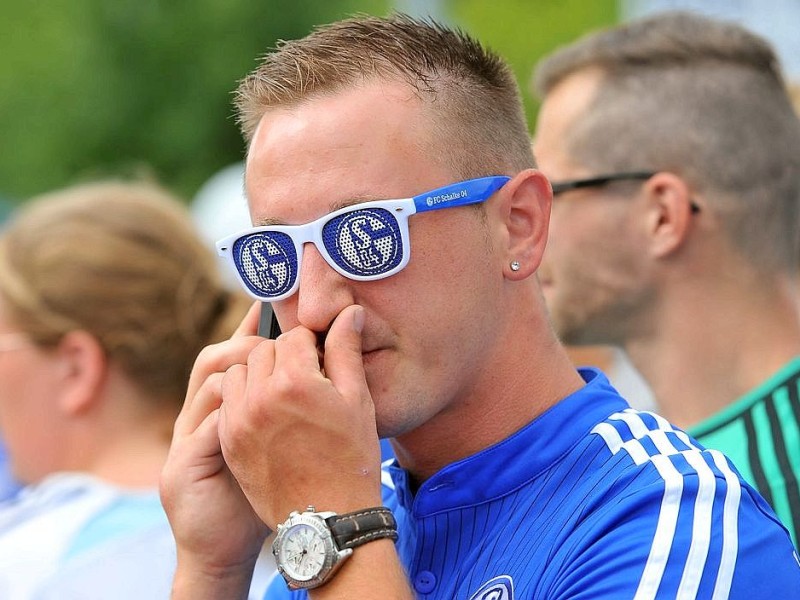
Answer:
(294, 435)
(217, 532)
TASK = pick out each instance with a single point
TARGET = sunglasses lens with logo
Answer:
(267, 262)
(364, 242)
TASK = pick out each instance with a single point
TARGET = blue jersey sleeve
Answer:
(695, 532)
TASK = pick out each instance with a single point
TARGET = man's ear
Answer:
(669, 212)
(83, 365)
(525, 216)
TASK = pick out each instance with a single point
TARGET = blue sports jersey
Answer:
(590, 500)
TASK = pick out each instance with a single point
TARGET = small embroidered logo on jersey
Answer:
(498, 588)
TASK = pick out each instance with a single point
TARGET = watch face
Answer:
(302, 553)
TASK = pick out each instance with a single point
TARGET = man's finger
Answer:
(207, 398)
(218, 358)
(249, 324)
(204, 460)
(344, 364)
(233, 387)
(296, 351)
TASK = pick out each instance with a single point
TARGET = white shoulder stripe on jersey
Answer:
(665, 529)
(386, 479)
(701, 526)
(730, 528)
(614, 442)
(671, 501)
(661, 422)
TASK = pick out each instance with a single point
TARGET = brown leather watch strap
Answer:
(362, 526)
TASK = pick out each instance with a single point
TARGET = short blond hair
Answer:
(478, 120)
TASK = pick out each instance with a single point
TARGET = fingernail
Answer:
(358, 319)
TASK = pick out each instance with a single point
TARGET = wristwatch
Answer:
(311, 546)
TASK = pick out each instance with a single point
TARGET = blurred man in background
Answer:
(674, 155)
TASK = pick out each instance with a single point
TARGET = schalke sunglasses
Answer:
(363, 242)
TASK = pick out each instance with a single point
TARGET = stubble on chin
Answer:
(570, 327)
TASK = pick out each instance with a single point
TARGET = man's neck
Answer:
(508, 399)
(707, 349)
(129, 459)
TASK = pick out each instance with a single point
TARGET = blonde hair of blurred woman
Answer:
(794, 94)
(111, 283)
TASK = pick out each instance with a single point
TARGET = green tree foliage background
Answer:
(90, 88)
(522, 31)
(97, 87)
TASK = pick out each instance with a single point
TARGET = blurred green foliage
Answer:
(522, 31)
(99, 87)
(91, 88)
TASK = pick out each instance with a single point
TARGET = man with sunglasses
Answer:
(675, 160)
(398, 226)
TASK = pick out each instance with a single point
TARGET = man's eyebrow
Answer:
(358, 199)
(333, 207)
(267, 222)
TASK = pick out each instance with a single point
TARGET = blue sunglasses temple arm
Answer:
(471, 191)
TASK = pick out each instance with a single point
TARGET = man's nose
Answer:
(322, 292)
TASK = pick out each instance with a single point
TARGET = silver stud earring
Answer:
(514, 265)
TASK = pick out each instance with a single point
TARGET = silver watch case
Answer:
(333, 557)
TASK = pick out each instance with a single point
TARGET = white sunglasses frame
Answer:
(463, 193)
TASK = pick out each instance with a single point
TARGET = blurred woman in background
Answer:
(107, 294)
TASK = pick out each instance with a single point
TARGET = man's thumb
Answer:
(344, 365)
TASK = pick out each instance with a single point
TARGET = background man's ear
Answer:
(669, 213)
